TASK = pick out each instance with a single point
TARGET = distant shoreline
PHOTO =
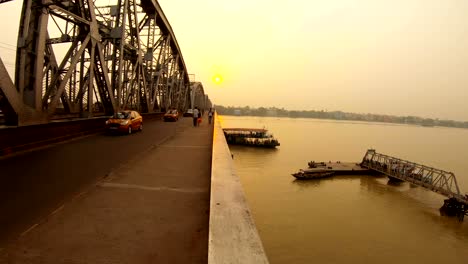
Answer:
(338, 115)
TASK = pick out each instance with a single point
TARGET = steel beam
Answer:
(76, 59)
(436, 180)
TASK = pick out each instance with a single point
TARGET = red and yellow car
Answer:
(125, 122)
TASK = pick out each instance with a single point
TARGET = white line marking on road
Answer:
(58, 209)
(174, 146)
(149, 188)
(29, 229)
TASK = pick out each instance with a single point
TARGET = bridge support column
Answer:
(394, 180)
(452, 207)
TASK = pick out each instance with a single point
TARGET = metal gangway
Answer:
(436, 180)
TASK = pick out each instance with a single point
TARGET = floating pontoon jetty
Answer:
(436, 180)
(322, 169)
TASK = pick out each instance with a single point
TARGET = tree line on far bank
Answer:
(336, 115)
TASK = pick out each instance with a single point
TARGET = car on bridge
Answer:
(125, 122)
(189, 113)
(171, 115)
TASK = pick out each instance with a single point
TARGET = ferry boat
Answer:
(254, 137)
(312, 174)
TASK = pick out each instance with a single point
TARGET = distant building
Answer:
(237, 112)
(338, 115)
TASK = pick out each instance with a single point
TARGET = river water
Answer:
(351, 219)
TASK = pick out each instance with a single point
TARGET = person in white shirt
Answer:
(210, 115)
(195, 116)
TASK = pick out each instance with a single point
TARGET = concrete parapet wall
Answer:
(233, 237)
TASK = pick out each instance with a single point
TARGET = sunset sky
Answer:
(399, 57)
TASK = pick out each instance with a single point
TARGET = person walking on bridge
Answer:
(210, 115)
(195, 116)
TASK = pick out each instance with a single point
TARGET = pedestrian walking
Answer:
(199, 120)
(195, 116)
(210, 115)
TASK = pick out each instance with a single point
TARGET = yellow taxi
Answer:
(125, 122)
(171, 115)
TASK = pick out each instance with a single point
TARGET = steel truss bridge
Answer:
(84, 58)
(436, 180)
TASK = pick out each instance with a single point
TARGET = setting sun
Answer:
(217, 79)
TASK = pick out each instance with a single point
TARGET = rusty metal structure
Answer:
(80, 59)
(436, 180)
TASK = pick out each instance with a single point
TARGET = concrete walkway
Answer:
(153, 209)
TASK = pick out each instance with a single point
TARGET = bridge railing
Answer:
(437, 180)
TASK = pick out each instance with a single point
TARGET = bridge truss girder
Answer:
(436, 180)
(78, 60)
(198, 97)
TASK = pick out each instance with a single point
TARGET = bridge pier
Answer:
(394, 180)
(452, 207)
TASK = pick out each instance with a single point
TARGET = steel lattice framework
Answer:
(78, 59)
(439, 181)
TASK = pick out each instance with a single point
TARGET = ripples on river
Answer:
(355, 219)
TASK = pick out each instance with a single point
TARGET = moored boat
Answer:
(312, 174)
(250, 137)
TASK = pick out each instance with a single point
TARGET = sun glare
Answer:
(217, 79)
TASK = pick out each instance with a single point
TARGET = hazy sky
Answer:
(399, 57)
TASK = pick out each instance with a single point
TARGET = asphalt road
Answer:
(33, 185)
